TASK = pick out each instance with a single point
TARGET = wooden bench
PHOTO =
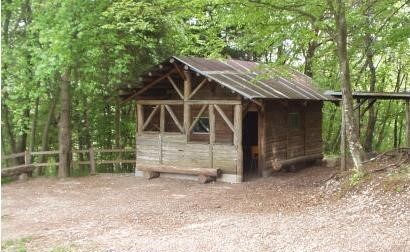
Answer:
(277, 165)
(18, 171)
(205, 175)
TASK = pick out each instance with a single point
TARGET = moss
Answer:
(17, 245)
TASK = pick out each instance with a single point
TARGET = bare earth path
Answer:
(288, 212)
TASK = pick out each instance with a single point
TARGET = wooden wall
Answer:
(173, 149)
(285, 142)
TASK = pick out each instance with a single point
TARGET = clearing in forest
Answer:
(288, 212)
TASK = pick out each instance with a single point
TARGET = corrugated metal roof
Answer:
(253, 81)
(373, 95)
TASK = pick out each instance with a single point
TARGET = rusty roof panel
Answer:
(244, 78)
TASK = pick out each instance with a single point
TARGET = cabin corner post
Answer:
(262, 142)
(140, 119)
(211, 113)
(238, 142)
(187, 107)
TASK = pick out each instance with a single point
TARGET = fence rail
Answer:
(92, 161)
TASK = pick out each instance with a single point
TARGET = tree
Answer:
(355, 146)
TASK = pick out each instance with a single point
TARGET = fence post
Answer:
(27, 161)
(92, 162)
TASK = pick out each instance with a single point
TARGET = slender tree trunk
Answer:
(400, 132)
(34, 126)
(354, 144)
(371, 123)
(368, 142)
(385, 122)
(310, 53)
(46, 130)
(64, 134)
(395, 133)
(8, 127)
(408, 123)
(117, 124)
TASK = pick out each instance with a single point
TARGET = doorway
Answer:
(250, 145)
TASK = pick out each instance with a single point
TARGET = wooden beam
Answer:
(237, 141)
(191, 102)
(277, 165)
(157, 102)
(198, 88)
(211, 114)
(162, 119)
(151, 84)
(257, 103)
(150, 117)
(175, 87)
(197, 118)
(187, 107)
(16, 170)
(140, 119)
(174, 117)
(178, 69)
(225, 118)
(217, 102)
(178, 169)
(21, 154)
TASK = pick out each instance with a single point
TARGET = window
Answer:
(202, 126)
(294, 120)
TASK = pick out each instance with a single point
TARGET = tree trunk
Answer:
(33, 129)
(355, 147)
(46, 130)
(117, 124)
(310, 53)
(408, 123)
(368, 143)
(64, 134)
(371, 123)
(395, 133)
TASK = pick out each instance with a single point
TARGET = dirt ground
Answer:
(287, 212)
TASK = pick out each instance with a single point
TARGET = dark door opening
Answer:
(250, 145)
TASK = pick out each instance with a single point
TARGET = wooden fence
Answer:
(92, 161)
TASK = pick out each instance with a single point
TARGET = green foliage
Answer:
(105, 45)
(18, 245)
(356, 177)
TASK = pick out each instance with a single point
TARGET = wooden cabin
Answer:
(224, 119)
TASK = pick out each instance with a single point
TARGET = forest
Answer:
(64, 62)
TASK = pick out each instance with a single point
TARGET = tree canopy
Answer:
(96, 47)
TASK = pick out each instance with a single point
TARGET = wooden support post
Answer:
(342, 139)
(211, 114)
(261, 143)
(187, 107)
(161, 131)
(27, 161)
(92, 161)
(237, 141)
(140, 119)
(162, 119)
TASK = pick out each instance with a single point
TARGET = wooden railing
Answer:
(91, 153)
